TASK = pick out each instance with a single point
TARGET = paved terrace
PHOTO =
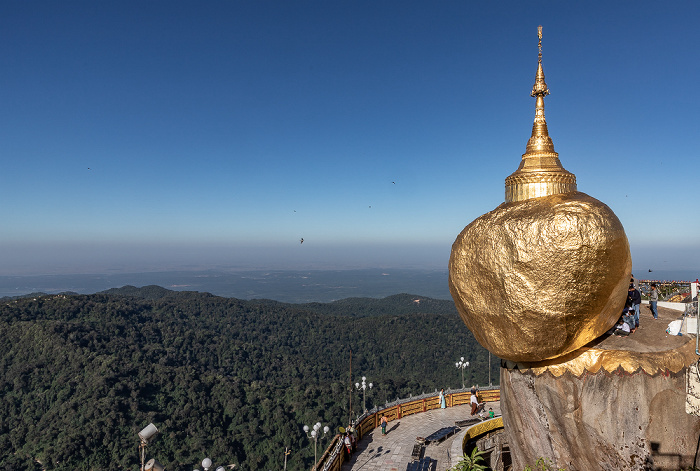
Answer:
(392, 452)
(651, 335)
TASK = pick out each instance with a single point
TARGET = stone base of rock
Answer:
(620, 404)
(599, 421)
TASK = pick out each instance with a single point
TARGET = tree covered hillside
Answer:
(230, 379)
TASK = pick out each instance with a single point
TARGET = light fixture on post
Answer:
(207, 463)
(363, 386)
(146, 435)
(461, 364)
(153, 465)
(314, 436)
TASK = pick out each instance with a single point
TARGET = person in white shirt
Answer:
(348, 444)
(622, 328)
(474, 401)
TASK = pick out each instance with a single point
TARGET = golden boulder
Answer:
(539, 278)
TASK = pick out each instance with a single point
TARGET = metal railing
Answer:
(668, 289)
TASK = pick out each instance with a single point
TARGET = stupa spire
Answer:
(540, 140)
(540, 172)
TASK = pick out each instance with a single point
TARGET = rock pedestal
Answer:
(600, 421)
(619, 405)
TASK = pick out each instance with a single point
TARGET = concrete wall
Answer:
(675, 306)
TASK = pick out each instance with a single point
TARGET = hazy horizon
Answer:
(297, 286)
(89, 258)
(95, 258)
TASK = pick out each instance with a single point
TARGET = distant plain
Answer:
(281, 285)
(284, 286)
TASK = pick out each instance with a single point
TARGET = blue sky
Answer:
(164, 135)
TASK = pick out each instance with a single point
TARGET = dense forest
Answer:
(220, 377)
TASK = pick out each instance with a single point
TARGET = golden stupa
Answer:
(547, 271)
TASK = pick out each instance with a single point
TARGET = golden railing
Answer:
(334, 456)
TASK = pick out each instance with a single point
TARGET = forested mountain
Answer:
(221, 377)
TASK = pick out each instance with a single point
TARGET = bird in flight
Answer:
(301, 241)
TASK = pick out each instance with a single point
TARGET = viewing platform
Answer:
(394, 451)
(420, 435)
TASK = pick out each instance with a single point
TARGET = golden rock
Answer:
(547, 271)
(540, 278)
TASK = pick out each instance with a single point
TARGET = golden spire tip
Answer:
(540, 172)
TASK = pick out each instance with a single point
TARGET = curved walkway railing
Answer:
(334, 456)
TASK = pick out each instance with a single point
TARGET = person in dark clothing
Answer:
(635, 297)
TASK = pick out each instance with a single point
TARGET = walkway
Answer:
(392, 452)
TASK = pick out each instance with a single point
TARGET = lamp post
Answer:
(363, 386)
(146, 435)
(207, 463)
(314, 436)
(287, 451)
(489, 368)
(461, 364)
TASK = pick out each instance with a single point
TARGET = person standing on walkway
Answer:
(653, 300)
(474, 401)
(383, 423)
(443, 404)
(353, 436)
(348, 444)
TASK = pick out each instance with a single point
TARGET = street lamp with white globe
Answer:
(461, 364)
(207, 463)
(314, 435)
(363, 386)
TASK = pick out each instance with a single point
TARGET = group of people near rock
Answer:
(628, 322)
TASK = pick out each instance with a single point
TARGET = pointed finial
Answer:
(540, 172)
(540, 87)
